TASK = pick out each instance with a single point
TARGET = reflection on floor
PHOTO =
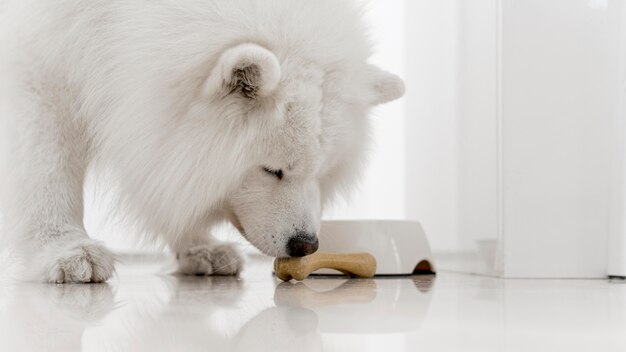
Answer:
(145, 309)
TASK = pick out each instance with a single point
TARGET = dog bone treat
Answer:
(356, 264)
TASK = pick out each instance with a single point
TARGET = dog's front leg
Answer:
(42, 197)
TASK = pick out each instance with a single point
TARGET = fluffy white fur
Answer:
(180, 105)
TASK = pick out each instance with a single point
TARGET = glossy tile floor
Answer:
(145, 309)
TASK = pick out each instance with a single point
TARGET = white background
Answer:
(506, 146)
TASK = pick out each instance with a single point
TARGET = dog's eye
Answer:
(276, 173)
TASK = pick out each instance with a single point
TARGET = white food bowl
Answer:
(400, 247)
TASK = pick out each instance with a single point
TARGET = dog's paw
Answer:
(222, 259)
(76, 261)
(226, 260)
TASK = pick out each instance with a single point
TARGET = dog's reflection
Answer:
(188, 313)
(206, 292)
(185, 313)
(223, 314)
(306, 310)
(294, 321)
(50, 316)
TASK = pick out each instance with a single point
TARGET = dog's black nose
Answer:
(302, 244)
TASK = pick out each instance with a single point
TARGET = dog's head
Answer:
(306, 127)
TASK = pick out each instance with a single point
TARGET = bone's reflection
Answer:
(57, 315)
(321, 293)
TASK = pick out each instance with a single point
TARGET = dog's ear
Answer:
(383, 86)
(247, 69)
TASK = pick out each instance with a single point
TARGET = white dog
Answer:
(198, 111)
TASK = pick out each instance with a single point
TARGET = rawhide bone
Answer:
(354, 264)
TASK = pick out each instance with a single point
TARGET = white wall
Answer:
(452, 130)
(431, 161)
(477, 117)
(617, 243)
